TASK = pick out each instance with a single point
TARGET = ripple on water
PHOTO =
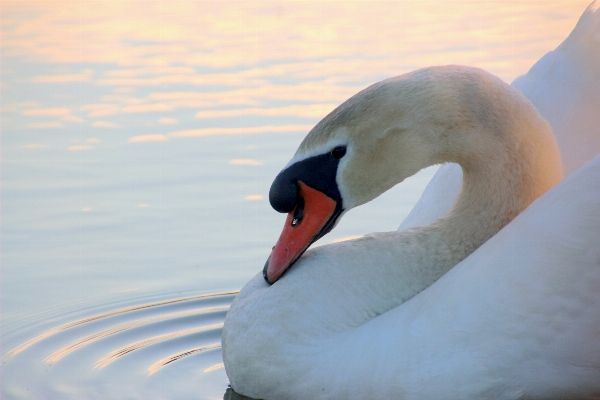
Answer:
(164, 349)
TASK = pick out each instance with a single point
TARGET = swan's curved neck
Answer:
(491, 197)
(497, 186)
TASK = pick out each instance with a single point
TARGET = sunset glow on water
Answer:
(186, 69)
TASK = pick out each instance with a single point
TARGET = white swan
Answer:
(499, 325)
(563, 85)
(518, 318)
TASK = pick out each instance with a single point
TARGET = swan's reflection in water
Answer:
(230, 394)
(147, 350)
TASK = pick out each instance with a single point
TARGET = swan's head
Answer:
(382, 135)
(354, 154)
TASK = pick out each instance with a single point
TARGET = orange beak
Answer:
(304, 225)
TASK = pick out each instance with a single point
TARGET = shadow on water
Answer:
(126, 353)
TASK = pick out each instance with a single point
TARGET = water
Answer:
(138, 146)
(110, 351)
(128, 302)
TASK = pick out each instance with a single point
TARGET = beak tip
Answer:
(265, 274)
(318, 213)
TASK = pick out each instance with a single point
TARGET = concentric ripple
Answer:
(129, 347)
(161, 363)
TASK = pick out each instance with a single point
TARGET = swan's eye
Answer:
(338, 152)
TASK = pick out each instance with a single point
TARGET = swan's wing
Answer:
(529, 297)
(518, 318)
(564, 85)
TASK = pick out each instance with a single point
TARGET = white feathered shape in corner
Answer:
(564, 85)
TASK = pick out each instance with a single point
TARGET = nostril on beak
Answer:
(298, 211)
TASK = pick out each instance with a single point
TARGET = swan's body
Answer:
(518, 318)
(499, 325)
